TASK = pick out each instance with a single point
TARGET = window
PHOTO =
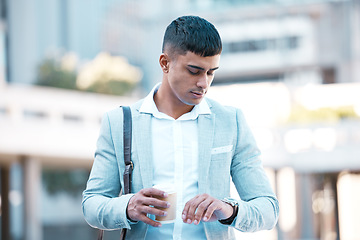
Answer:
(258, 45)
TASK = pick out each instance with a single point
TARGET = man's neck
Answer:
(172, 109)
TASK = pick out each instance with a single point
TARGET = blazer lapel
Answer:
(142, 125)
(206, 125)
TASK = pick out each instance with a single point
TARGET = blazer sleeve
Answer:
(102, 206)
(258, 207)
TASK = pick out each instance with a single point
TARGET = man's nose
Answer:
(203, 81)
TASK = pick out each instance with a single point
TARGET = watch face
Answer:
(230, 201)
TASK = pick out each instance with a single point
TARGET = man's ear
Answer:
(164, 62)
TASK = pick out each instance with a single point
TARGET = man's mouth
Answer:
(198, 94)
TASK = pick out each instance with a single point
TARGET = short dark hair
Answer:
(194, 34)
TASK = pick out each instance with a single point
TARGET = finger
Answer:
(153, 192)
(149, 221)
(210, 211)
(150, 201)
(145, 206)
(191, 207)
(201, 209)
(186, 210)
(140, 212)
(140, 199)
(154, 211)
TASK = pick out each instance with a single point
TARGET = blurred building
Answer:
(47, 142)
(287, 47)
(292, 42)
(297, 41)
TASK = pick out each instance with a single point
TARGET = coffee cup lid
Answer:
(166, 187)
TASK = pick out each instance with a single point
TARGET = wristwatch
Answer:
(235, 205)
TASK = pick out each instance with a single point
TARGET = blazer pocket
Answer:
(223, 149)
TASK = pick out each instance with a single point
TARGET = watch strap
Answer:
(229, 221)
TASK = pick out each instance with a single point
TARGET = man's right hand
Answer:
(144, 202)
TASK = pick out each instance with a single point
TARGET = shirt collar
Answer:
(149, 106)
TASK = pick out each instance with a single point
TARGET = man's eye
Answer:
(210, 73)
(193, 73)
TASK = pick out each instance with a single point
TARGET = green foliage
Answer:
(112, 87)
(105, 74)
(300, 114)
(52, 75)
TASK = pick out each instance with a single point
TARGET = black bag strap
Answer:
(127, 149)
(127, 132)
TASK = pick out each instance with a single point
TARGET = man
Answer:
(183, 138)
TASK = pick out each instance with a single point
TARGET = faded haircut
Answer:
(194, 34)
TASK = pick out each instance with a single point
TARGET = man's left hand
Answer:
(206, 208)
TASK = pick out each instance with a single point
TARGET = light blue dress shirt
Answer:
(175, 161)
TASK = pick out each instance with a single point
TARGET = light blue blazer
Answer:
(227, 151)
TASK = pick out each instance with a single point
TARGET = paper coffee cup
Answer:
(171, 198)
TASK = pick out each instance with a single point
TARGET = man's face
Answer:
(190, 76)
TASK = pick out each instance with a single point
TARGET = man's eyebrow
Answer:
(200, 68)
